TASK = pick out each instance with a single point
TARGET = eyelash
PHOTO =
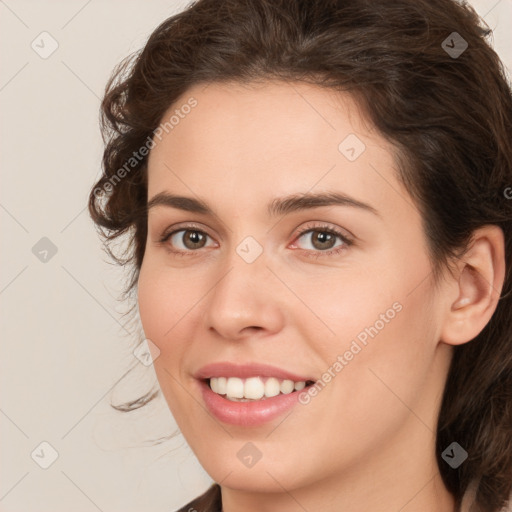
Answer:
(347, 242)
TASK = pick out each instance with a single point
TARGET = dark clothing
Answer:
(210, 501)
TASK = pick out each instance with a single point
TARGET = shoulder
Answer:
(209, 501)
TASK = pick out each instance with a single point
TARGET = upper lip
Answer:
(242, 371)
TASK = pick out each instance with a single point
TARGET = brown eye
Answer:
(322, 240)
(187, 239)
(193, 239)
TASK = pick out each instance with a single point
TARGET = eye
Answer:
(322, 239)
(185, 240)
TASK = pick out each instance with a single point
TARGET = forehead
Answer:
(259, 140)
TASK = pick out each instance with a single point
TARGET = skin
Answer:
(366, 442)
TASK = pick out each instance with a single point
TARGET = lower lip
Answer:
(247, 414)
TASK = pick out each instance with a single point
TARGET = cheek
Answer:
(155, 305)
(387, 355)
(373, 391)
(163, 304)
(377, 335)
(164, 299)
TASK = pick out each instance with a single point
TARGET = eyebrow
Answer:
(278, 206)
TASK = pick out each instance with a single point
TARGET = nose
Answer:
(246, 301)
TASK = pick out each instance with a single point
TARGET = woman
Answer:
(317, 196)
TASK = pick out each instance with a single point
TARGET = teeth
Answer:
(272, 387)
(253, 388)
(287, 386)
(235, 388)
(300, 385)
(222, 383)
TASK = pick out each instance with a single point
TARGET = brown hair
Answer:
(448, 114)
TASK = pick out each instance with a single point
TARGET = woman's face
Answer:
(262, 286)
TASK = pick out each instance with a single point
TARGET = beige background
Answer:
(64, 346)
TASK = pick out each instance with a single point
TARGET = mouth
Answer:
(249, 395)
(258, 388)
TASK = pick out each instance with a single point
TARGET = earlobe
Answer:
(477, 287)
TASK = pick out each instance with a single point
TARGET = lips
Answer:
(226, 369)
(245, 412)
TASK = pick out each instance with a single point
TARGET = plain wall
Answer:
(64, 344)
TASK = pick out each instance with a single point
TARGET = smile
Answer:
(249, 394)
(253, 388)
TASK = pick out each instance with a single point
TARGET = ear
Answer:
(476, 287)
